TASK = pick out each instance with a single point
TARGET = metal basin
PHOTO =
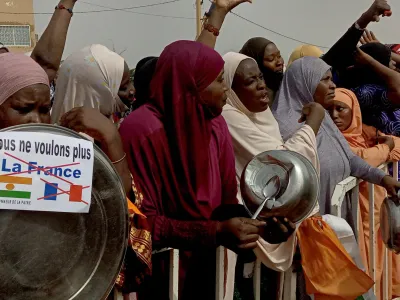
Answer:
(65, 256)
(299, 190)
(390, 224)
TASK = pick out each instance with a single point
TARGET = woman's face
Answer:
(29, 105)
(325, 91)
(126, 91)
(214, 96)
(273, 59)
(249, 86)
(341, 114)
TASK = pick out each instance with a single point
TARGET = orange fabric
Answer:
(362, 141)
(137, 266)
(132, 207)
(329, 271)
(353, 134)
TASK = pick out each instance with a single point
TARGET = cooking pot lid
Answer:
(261, 169)
(390, 224)
(299, 184)
(58, 256)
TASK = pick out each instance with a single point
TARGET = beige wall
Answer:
(19, 6)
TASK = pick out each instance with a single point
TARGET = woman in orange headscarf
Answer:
(376, 148)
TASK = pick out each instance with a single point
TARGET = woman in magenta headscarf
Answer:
(179, 150)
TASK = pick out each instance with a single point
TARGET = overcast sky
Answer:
(319, 22)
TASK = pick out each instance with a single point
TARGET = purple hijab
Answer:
(336, 158)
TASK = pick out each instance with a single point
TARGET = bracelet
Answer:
(119, 160)
(212, 29)
(60, 6)
(358, 27)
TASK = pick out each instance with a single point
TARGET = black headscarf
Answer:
(379, 52)
(364, 75)
(255, 48)
(144, 72)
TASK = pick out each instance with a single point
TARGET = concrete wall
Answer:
(19, 6)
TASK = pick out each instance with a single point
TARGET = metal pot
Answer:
(299, 181)
(61, 256)
(390, 224)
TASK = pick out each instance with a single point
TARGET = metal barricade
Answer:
(287, 289)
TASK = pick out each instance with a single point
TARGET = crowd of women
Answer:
(181, 133)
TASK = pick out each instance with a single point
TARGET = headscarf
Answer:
(298, 88)
(304, 50)
(90, 77)
(184, 69)
(17, 72)
(255, 48)
(364, 75)
(379, 52)
(263, 121)
(143, 75)
(353, 133)
(253, 133)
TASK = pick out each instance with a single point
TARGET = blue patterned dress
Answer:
(377, 110)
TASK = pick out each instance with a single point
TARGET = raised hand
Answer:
(313, 114)
(91, 122)
(377, 9)
(368, 37)
(228, 5)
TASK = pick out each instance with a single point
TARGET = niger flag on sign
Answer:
(15, 187)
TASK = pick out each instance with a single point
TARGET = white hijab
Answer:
(90, 77)
(253, 133)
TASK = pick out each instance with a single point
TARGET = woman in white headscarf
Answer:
(257, 131)
(254, 130)
(91, 80)
(93, 77)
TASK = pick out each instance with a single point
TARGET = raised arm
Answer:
(369, 37)
(341, 53)
(214, 20)
(49, 49)
(391, 77)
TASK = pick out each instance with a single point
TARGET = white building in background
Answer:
(17, 25)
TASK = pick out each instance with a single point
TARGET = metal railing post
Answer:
(220, 276)
(372, 234)
(257, 280)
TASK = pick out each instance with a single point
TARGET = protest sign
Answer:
(45, 172)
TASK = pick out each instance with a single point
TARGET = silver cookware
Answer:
(299, 185)
(65, 256)
(270, 191)
(390, 224)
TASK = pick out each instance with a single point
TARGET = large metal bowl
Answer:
(390, 224)
(299, 181)
(65, 256)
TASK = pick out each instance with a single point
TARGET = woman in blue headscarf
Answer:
(310, 79)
